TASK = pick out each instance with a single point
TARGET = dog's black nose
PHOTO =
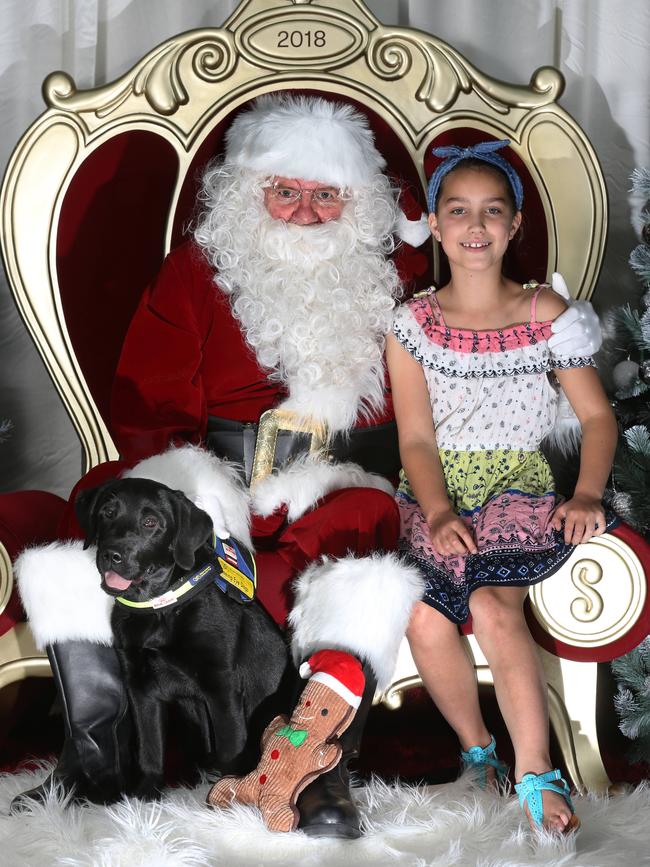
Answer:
(116, 557)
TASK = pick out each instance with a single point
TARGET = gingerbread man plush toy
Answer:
(297, 750)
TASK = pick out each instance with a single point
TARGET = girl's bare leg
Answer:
(447, 673)
(503, 636)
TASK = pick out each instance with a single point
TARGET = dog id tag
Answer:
(238, 575)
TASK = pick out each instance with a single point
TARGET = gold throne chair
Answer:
(102, 184)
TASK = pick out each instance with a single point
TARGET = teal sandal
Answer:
(530, 793)
(478, 759)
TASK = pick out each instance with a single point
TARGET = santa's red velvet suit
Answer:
(186, 364)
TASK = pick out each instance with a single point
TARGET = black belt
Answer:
(374, 448)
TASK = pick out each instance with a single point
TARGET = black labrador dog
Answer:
(182, 637)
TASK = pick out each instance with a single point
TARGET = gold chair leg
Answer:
(572, 709)
(572, 714)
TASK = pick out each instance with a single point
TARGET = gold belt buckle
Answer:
(271, 422)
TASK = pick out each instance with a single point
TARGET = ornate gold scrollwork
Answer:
(447, 74)
(589, 606)
(157, 77)
(391, 57)
(417, 83)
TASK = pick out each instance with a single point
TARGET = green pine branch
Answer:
(632, 702)
(640, 262)
(640, 178)
(635, 326)
(630, 481)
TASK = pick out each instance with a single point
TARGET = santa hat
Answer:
(340, 671)
(309, 137)
(305, 137)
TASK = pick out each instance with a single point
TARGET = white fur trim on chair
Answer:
(307, 480)
(360, 605)
(213, 484)
(60, 588)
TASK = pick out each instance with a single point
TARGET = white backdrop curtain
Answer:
(601, 46)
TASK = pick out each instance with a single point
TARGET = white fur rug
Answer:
(437, 826)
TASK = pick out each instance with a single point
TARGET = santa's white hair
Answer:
(315, 302)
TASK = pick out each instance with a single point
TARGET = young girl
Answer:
(472, 378)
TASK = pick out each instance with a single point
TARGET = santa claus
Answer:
(261, 342)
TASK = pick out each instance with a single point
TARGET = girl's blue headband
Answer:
(485, 151)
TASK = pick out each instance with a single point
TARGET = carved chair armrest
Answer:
(597, 607)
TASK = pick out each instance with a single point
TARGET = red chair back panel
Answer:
(110, 243)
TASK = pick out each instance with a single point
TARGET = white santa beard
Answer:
(315, 304)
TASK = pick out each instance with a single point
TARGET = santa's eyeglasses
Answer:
(323, 197)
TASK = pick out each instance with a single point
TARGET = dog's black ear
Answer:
(86, 505)
(193, 529)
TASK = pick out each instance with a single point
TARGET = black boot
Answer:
(95, 752)
(325, 806)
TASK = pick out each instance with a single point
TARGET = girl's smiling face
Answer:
(475, 218)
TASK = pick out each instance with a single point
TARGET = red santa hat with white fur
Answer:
(308, 137)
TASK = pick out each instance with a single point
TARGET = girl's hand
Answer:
(583, 518)
(449, 535)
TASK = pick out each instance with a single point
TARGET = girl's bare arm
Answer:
(419, 451)
(583, 514)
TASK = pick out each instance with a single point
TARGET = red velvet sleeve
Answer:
(158, 394)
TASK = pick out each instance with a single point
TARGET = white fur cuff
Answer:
(213, 484)
(60, 588)
(566, 434)
(361, 606)
(308, 480)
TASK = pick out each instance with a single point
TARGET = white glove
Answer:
(576, 332)
(211, 505)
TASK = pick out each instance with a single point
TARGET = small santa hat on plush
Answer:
(308, 137)
(340, 671)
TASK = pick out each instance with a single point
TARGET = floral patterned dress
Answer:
(493, 402)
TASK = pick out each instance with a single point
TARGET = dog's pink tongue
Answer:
(116, 581)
